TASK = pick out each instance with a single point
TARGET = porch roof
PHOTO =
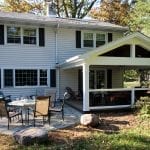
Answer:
(93, 57)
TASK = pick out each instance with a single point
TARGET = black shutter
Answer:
(1, 34)
(41, 37)
(109, 78)
(53, 78)
(78, 39)
(110, 37)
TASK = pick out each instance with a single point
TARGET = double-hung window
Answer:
(29, 36)
(43, 77)
(100, 39)
(88, 40)
(13, 34)
(93, 40)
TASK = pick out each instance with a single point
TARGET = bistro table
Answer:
(24, 104)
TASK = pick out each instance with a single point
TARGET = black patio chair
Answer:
(5, 111)
(59, 107)
(72, 95)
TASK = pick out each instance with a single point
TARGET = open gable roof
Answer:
(135, 38)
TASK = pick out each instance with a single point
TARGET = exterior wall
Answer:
(117, 35)
(67, 43)
(117, 78)
(68, 78)
(19, 56)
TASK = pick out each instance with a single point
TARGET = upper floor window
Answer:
(13, 34)
(93, 39)
(88, 40)
(29, 36)
(100, 39)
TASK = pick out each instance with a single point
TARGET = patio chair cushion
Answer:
(31, 135)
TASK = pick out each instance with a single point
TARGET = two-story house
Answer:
(40, 52)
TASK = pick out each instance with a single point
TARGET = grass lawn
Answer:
(117, 131)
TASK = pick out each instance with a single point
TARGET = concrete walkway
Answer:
(71, 117)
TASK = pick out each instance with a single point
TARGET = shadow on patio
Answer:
(71, 117)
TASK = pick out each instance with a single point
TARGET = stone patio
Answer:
(71, 117)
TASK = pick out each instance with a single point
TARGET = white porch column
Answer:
(132, 97)
(132, 50)
(85, 87)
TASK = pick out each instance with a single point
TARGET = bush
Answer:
(143, 105)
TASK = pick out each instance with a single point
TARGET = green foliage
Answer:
(143, 104)
(130, 75)
(140, 17)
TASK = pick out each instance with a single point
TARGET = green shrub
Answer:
(143, 105)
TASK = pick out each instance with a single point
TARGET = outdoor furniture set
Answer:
(40, 106)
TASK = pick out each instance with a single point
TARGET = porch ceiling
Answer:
(93, 58)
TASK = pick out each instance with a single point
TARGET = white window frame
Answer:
(6, 34)
(21, 30)
(101, 34)
(43, 77)
(23, 35)
(83, 39)
(14, 84)
(94, 38)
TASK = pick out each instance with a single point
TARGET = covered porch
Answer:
(100, 73)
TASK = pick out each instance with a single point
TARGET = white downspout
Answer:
(56, 61)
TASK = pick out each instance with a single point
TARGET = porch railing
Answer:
(119, 97)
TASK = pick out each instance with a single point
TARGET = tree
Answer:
(112, 11)
(22, 6)
(140, 17)
(73, 8)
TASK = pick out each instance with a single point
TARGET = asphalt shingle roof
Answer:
(54, 21)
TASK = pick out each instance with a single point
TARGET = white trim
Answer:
(38, 79)
(85, 87)
(108, 107)
(132, 50)
(21, 35)
(119, 61)
(91, 56)
(94, 38)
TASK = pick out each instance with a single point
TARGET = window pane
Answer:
(100, 39)
(43, 77)
(26, 77)
(29, 36)
(13, 35)
(88, 40)
(8, 78)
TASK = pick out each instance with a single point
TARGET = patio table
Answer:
(23, 104)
